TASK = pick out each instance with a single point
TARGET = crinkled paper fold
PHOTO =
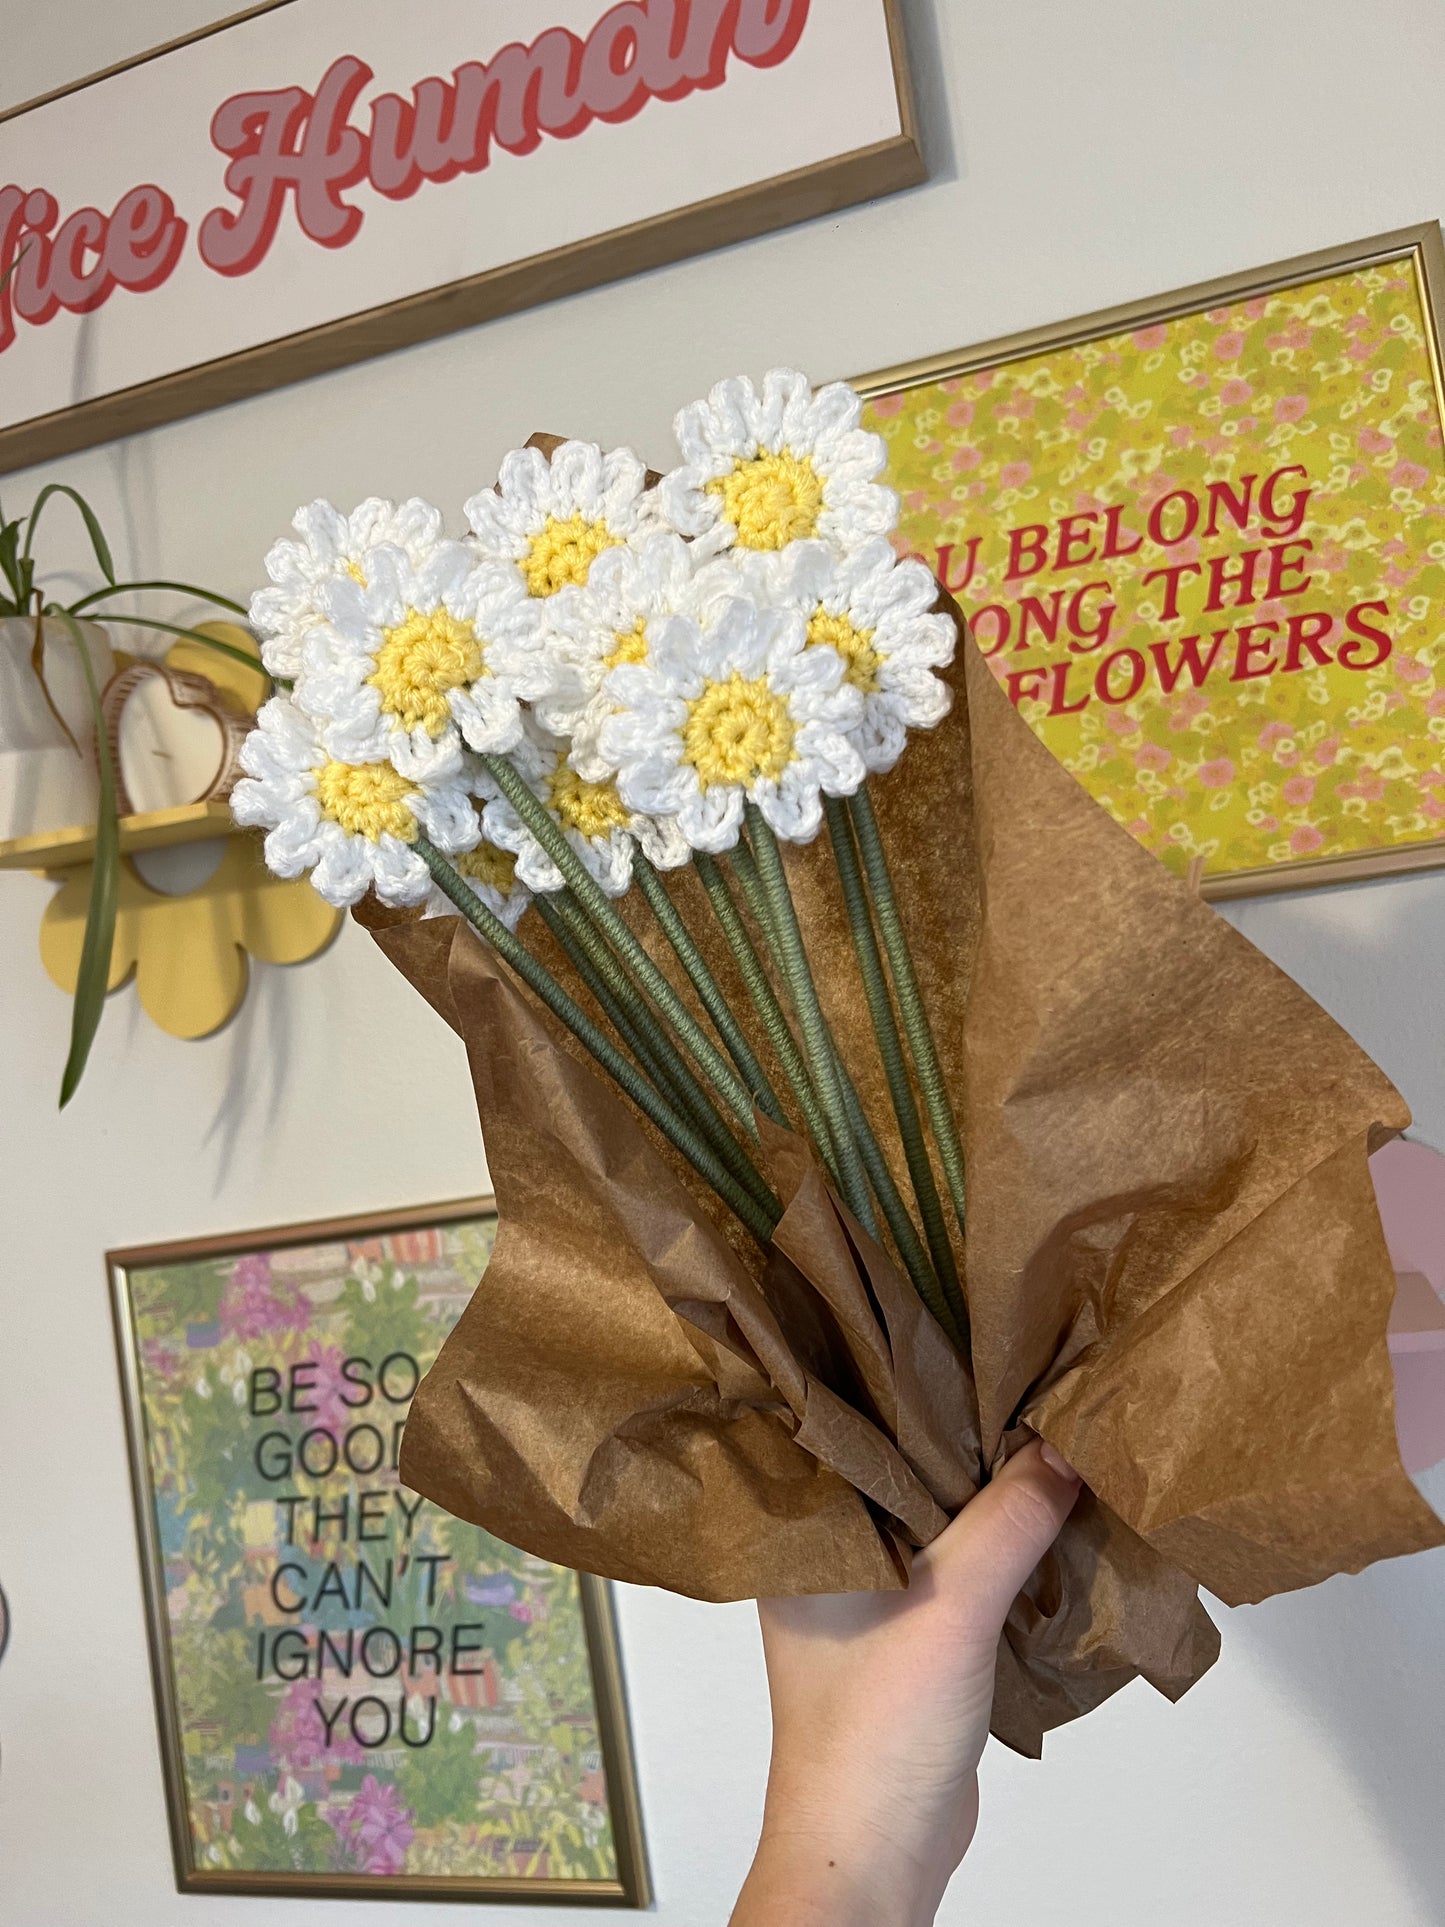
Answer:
(1175, 1269)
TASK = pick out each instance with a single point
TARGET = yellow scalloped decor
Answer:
(189, 953)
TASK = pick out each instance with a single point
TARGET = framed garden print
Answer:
(1201, 540)
(357, 1694)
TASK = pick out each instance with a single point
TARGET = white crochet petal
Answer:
(449, 819)
(855, 458)
(686, 507)
(287, 853)
(829, 759)
(344, 604)
(419, 757)
(662, 841)
(711, 819)
(323, 531)
(398, 874)
(658, 785)
(626, 736)
(413, 525)
(344, 871)
(854, 510)
(445, 576)
(489, 716)
(586, 754)
(390, 587)
(575, 480)
(784, 396)
(791, 807)
(835, 411)
(881, 737)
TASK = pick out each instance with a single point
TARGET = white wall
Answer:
(1083, 155)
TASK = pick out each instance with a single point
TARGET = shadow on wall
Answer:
(930, 88)
(1369, 952)
(260, 1044)
(1366, 1655)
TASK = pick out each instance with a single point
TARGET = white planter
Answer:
(44, 784)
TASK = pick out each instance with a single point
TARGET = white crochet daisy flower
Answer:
(423, 655)
(763, 470)
(332, 545)
(877, 613)
(549, 521)
(741, 709)
(351, 825)
(490, 874)
(596, 822)
(608, 623)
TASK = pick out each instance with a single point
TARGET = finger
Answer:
(998, 1539)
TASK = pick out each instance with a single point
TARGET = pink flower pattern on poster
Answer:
(376, 1829)
(252, 1306)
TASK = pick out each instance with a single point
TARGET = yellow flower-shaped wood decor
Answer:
(189, 953)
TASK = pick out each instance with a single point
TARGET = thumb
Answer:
(998, 1539)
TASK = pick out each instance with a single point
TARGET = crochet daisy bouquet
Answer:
(860, 1100)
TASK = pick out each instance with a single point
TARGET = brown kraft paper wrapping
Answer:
(1175, 1269)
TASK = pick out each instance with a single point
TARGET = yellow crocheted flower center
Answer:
(563, 552)
(593, 809)
(367, 799)
(855, 646)
(420, 662)
(489, 865)
(771, 500)
(738, 732)
(631, 647)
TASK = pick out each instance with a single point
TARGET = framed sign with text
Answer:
(357, 1694)
(1201, 540)
(311, 182)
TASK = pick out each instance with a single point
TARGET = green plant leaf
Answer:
(180, 588)
(37, 669)
(10, 564)
(191, 635)
(88, 516)
(99, 939)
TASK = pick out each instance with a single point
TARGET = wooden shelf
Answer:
(67, 849)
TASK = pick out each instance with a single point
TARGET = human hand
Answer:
(881, 1704)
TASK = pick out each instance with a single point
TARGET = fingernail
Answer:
(1056, 1462)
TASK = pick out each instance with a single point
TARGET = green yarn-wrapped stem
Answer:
(890, 1050)
(890, 1202)
(629, 1079)
(584, 886)
(910, 1001)
(792, 960)
(706, 985)
(611, 1009)
(770, 1011)
(677, 1081)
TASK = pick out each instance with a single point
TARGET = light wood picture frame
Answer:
(246, 1362)
(105, 361)
(1305, 751)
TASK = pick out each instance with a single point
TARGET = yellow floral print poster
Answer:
(1205, 556)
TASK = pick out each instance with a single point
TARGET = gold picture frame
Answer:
(171, 1264)
(1418, 249)
(866, 173)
